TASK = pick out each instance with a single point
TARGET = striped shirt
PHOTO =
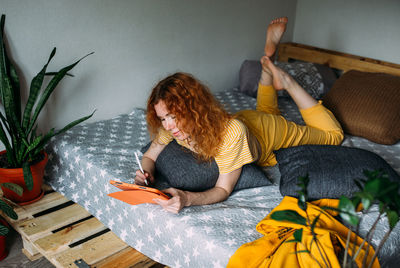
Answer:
(233, 152)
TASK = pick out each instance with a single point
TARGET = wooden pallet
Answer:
(68, 236)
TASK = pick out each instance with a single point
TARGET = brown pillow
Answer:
(367, 105)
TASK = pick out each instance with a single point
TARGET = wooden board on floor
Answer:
(68, 236)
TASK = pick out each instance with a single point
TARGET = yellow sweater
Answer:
(233, 152)
(272, 251)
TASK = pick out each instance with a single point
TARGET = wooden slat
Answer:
(34, 228)
(30, 248)
(60, 241)
(48, 201)
(334, 59)
(91, 252)
(30, 256)
(125, 258)
(105, 250)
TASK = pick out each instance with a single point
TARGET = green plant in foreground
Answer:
(376, 188)
(17, 129)
(6, 208)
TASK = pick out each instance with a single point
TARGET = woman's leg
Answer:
(275, 132)
(322, 127)
(266, 95)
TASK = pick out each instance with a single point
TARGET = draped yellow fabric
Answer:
(273, 250)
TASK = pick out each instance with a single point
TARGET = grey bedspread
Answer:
(83, 160)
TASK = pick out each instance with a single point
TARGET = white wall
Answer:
(136, 43)
(369, 28)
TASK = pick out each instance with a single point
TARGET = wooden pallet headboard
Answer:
(334, 59)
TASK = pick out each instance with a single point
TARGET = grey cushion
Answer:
(249, 76)
(331, 169)
(315, 79)
(179, 168)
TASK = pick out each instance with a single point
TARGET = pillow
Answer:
(367, 105)
(180, 169)
(331, 169)
(328, 74)
(308, 75)
(249, 76)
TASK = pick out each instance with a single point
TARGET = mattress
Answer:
(84, 159)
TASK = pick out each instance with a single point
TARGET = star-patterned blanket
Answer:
(84, 159)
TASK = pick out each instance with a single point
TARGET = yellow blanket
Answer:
(271, 251)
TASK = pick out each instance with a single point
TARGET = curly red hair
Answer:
(197, 112)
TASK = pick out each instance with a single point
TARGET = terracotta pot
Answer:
(16, 176)
(3, 249)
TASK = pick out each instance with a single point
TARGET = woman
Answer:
(181, 108)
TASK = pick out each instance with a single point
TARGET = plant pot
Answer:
(16, 176)
(3, 249)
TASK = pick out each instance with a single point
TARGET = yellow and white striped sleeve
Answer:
(234, 152)
(163, 136)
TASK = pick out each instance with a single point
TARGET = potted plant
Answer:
(9, 211)
(24, 159)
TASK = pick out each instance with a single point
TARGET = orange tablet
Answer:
(135, 194)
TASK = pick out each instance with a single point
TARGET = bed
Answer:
(83, 160)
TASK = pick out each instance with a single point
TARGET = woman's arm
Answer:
(148, 163)
(220, 192)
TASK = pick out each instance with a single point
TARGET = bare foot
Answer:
(275, 30)
(280, 79)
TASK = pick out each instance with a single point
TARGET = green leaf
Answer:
(49, 89)
(301, 251)
(13, 187)
(8, 210)
(302, 201)
(366, 199)
(33, 145)
(14, 81)
(393, 218)
(374, 186)
(347, 211)
(290, 216)
(298, 235)
(11, 111)
(54, 73)
(3, 230)
(37, 148)
(26, 168)
(16, 88)
(359, 184)
(2, 21)
(36, 85)
(303, 183)
(313, 224)
(3, 69)
(20, 150)
(4, 140)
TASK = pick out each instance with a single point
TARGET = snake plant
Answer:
(6, 208)
(18, 130)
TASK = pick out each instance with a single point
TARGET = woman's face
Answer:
(168, 121)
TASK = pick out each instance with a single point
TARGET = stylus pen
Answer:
(140, 167)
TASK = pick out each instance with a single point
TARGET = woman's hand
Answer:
(176, 203)
(223, 188)
(141, 178)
